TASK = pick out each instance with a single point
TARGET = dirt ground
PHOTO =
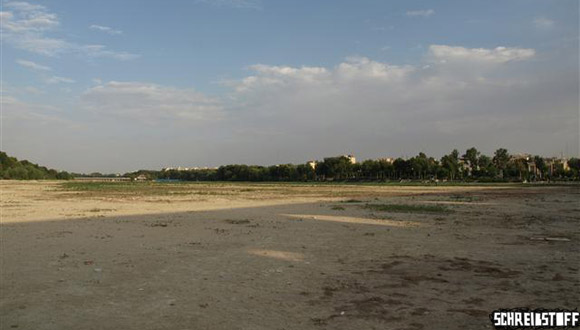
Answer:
(282, 256)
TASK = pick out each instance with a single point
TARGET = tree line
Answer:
(14, 169)
(470, 166)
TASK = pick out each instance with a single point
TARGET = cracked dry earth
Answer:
(249, 256)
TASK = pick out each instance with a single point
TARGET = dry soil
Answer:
(283, 256)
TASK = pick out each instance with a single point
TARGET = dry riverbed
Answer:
(282, 256)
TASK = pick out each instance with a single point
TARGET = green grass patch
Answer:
(337, 208)
(141, 188)
(463, 198)
(100, 210)
(103, 186)
(352, 201)
(407, 208)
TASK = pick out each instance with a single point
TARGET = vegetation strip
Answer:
(406, 208)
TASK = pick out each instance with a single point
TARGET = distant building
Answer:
(351, 158)
(387, 160)
(141, 177)
(552, 164)
(101, 179)
(521, 156)
(526, 159)
(466, 167)
(180, 168)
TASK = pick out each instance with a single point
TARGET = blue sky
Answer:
(121, 85)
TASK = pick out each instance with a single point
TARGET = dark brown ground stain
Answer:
(329, 291)
(473, 301)
(408, 280)
(370, 308)
(420, 311)
(414, 326)
(370, 305)
(161, 224)
(558, 277)
(398, 294)
(319, 321)
(343, 285)
(237, 222)
(387, 290)
(480, 267)
(439, 300)
(504, 285)
(388, 266)
(469, 311)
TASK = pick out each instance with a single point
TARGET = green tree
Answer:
(540, 166)
(451, 164)
(402, 168)
(472, 156)
(501, 158)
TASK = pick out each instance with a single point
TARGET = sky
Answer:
(116, 86)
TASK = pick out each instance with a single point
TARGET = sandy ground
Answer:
(250, 256)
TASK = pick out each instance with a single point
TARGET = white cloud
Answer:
(32, 65)
(27, 18)
(102, 51)
(543, 23)
(364, 68)
(287, 71)
(361, 105)
(42, 69)
(9, 90)
(105, 29)
(422, 13)
(250, 4)
(58, 80)
(25, 26)
(24, 6)
(36, 127)
(39, 44)
(352, 70)
(32, 90)
(38, 114)
(443, 53)
(150, 103)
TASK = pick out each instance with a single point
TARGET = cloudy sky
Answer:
(114, 86)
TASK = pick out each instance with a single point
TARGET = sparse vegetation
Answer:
(102, 186)
(352, 201)
(136, 188)
(408, 208)
(463, 198)
(237, 222)
(95, 210)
